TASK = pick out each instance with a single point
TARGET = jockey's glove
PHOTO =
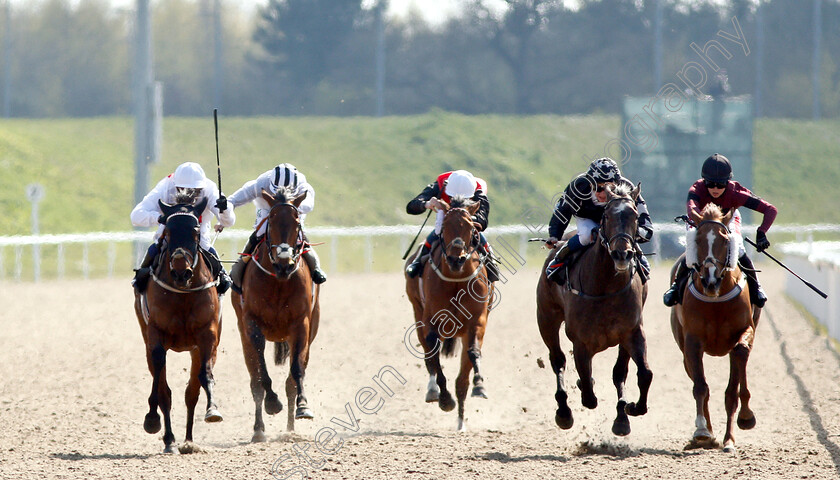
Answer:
(761, 242)
(222, 204)
(644, 234)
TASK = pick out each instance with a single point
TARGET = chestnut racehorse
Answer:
(279, 303)
(452, 300)
(601, 304)
(180, 311)
(716, 318)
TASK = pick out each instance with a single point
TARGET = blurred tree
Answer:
(299, 39)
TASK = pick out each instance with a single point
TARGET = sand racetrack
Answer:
(74, 389)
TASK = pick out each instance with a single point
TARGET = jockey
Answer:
(187, 180)
(716, 187)
(283, 175)
(446, 186)
(585, 199)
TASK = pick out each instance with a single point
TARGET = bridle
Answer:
(191, 255)
(181, 250)
(283, 250)
(608, 241)
(475, 239)
(711, 259)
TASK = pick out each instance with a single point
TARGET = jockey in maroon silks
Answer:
(716, 186)
(446, 186)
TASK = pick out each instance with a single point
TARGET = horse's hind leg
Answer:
(462, 384)
(550, 331)
(621, 424)
(255, 362)
(445, 400)
(192, 392)
(206, 359)
(638, 351)
(737, 387)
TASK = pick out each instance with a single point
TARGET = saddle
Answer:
(562, 273)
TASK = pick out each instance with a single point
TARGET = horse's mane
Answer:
(284, 195)
(622, 190)
(461, 201)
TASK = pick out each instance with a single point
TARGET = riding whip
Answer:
(806, 282)
(218, 164)
(405, 255)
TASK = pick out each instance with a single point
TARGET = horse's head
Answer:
(181, 233)
(711, 249)
(459, 235)
(620, 224)
(283, 231)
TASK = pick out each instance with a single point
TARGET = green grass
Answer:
(365, 169)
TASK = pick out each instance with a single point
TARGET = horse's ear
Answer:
(268, 197)
(299, 199)
(728, 217)
(199, 209)
(694, 217)
(165, 207)
(473, 208)
(636, 192)
(443, 204)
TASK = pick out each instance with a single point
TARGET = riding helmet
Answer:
(717, 168)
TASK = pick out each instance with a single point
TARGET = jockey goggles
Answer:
(712, 184)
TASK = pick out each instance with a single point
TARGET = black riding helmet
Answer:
(717, 169)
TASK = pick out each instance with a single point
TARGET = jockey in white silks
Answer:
(283, 175)
(189, 183)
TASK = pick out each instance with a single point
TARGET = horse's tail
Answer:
(448, 346)
(281, 352)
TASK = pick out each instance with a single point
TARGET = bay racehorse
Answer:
(180, 311)
(715, 318)
(601, 304)
(279, 303)
(451, 301)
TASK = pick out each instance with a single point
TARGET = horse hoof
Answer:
(152, 423)
(188, 448)
(258, 437)
(702, 435)
(746, 423)
(564, 421)
(635, 410)
(479, 392)
(462, 425)
(170, 449)
(621, 427)
(729, 447)
(303, 413)
(432, 396)
(446, 402)
(273, 405)
(213, 416)
(589, 402)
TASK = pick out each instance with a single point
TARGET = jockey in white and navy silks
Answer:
(188, 179)
(283, 175)
(446, 186)
(716, 186)
(585, 200)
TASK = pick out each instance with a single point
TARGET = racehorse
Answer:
(452, 300)
(716, 318)
(601, 304)
(180, 311)
(279, 303)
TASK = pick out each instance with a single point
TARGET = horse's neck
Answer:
(601, 273)
(470, 266)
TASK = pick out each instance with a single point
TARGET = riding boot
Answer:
(238, 269)
(223, 277)
(644, 270)
(314, 263)
(556, 267)
(673, 295)
(415, 268)
(144, 271)
(491, 262)
(757, 295)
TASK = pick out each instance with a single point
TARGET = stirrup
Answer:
(318, 276)
(224, 283)
(414, 269)
(671, 296)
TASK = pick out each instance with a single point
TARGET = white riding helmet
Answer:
(189, 175)
(461, 182)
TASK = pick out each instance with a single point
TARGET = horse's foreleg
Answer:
(300, 358)
(160, 389)
(621, 424)
(445, 400)
(257, 392)
(272, 401)
(737, 388)
(550, 331)
(152, 421)
(693, 356)
(746, 417)
(206, 354)
(192, 392)
(462, 383)
(476, 339)
(638, 351)
(583, 362)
